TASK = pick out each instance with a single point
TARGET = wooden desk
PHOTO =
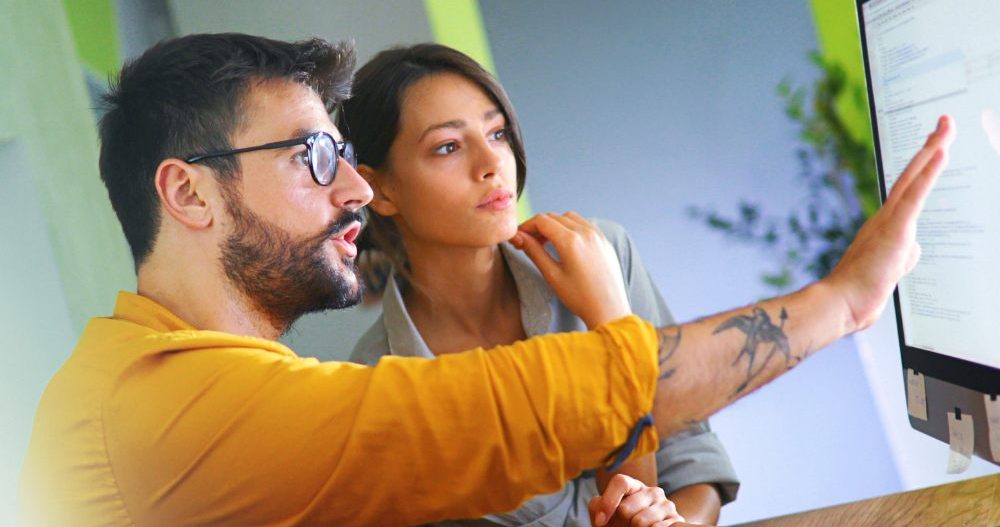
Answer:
(970, 503)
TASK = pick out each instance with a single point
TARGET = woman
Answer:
(437, 138)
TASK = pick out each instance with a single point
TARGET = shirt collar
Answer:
(146, 312)
(532, 289)
(535, 294)
(404, 339)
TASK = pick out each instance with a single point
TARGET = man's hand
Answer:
(626, 501)
(587, 276)
(710, 362)
(885, 248)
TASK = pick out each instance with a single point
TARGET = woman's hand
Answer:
(626, 501)
(586, 276)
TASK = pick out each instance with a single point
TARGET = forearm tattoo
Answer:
(760, 331)
(670, 340)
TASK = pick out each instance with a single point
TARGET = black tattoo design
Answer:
(669, 343)
(759, 330)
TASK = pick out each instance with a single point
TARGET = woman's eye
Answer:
(446, 148)
(499, 135)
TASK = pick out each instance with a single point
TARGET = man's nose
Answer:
(349, 190)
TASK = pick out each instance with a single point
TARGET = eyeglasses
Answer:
(321, 152)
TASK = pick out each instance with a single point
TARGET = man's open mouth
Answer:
(344, 240)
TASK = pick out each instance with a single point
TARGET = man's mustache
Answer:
(341, 223)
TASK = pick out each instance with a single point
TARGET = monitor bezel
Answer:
(980, 377)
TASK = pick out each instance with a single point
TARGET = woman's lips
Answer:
(496, 200)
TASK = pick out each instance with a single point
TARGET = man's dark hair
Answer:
(186, 96)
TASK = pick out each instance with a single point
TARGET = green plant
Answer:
(839, 173)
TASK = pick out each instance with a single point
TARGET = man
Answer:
(239, 201)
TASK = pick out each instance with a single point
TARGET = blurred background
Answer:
(634, 111)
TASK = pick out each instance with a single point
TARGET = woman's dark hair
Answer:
(186, 96)
(371, 120)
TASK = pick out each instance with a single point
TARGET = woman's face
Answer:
(451, 178)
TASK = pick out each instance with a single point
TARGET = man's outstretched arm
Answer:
(711, 362)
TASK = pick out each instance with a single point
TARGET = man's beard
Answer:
(284, 277)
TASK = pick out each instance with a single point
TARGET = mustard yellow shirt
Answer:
(153, 422)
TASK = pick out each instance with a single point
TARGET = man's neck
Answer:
(204, 299)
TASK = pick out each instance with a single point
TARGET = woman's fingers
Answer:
(607, 503)
(566, 235)
(657, 510)
(593, 507)
(669, 521)
(535, 250)
(550, 224)
(640, 502)
(580, 222)
(628, 501)
(585, 272)
(545, 228)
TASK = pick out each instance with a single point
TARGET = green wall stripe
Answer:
(94, 26)
(459, 24)
(840, 41)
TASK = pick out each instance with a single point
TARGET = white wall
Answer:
(37, 331)
(373, 25)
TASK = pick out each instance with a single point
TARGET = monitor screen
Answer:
(926, 58)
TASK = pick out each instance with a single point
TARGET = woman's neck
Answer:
(462, 297)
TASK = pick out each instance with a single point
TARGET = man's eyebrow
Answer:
(302, 132)
(457, 123)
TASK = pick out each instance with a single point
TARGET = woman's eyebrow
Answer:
(456, 123)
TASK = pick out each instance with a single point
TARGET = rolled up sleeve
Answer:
(694, 455)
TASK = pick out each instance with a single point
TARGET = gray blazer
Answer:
(694, 455)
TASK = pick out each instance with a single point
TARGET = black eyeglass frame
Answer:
(342, 150)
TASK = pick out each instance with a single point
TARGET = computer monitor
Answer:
(924, 58)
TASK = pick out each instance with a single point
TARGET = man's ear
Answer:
(183, 189)
(381, 202)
